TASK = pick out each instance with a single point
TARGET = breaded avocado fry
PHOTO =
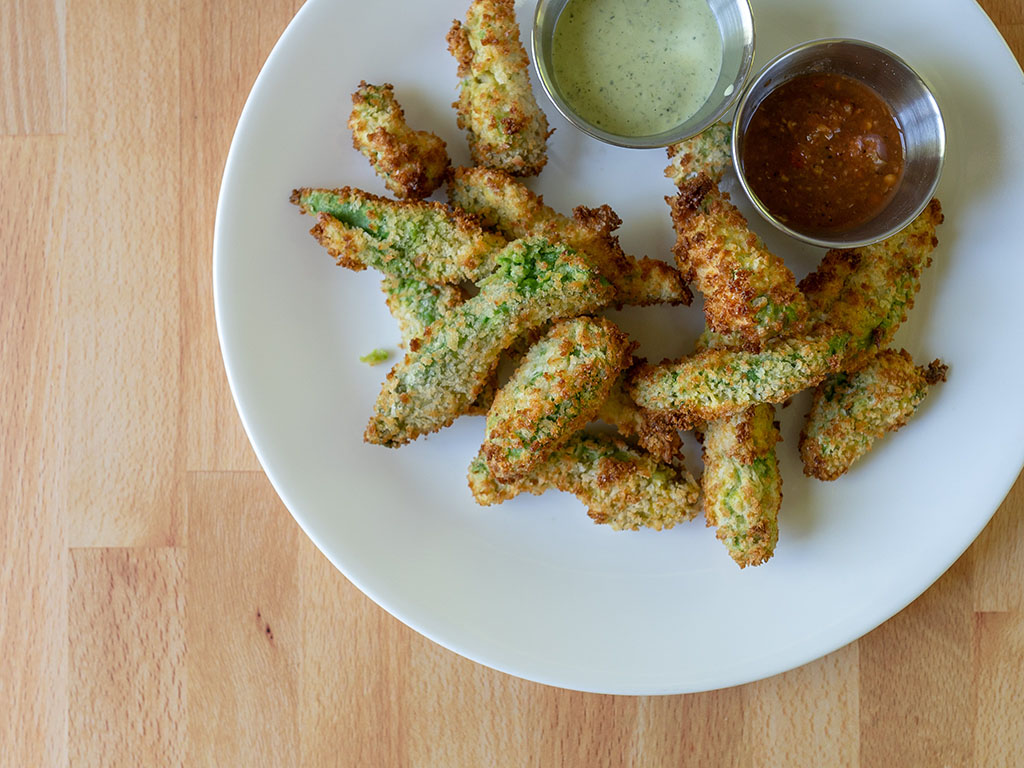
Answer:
(866, 292)
(656, 437)
(413, 239)
(747, 289)
(852, 410)
(411, 163)
(621, 486)
(741, 483)
(534, 281)
(710, 152)
(416, 305)
(556, 390)
(496, 106)
(505, 204)
(716, 383)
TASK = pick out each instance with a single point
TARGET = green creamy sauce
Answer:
(636, 68)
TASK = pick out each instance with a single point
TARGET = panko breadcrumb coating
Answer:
(747, 289)
(656, 437)
(507, 205)
(741, 483)
(621, 486)
(411, 163)
(496, 106)
(866, 292)
(423, 240)
(556, 390)
(416, 305)
(852, 410)
(716, 383)
(534, 281)
(709, 152)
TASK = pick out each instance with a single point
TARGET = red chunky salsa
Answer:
(823, 153)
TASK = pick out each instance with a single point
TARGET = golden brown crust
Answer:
(747, 290)
(935, 372)
(556, 390)
(715, 383)
(496, 107)
(850, 411)
(412, 168)
(741, 483)
(867, 292)
(621, 486)
(709, 152)
(503, 202)
(599, 220)
(423, 239)
(415, 305)
(656, 437)
(411, 163)
(459, 47)
(638, 282)
(683, 207)
(341, 242)
(534, 282)
(484, 398)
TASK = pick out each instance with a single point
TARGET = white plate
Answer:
(533, 587)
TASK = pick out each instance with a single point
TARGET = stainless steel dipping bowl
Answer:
(915, 108)
(736, 25)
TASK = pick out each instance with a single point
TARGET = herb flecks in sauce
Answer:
(823, 153)
(637, 68)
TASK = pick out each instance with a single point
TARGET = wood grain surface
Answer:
(160, 607)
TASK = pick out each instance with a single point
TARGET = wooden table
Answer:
(160, 606)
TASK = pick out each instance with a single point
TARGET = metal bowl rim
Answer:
(650, 141)
(753, 82)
